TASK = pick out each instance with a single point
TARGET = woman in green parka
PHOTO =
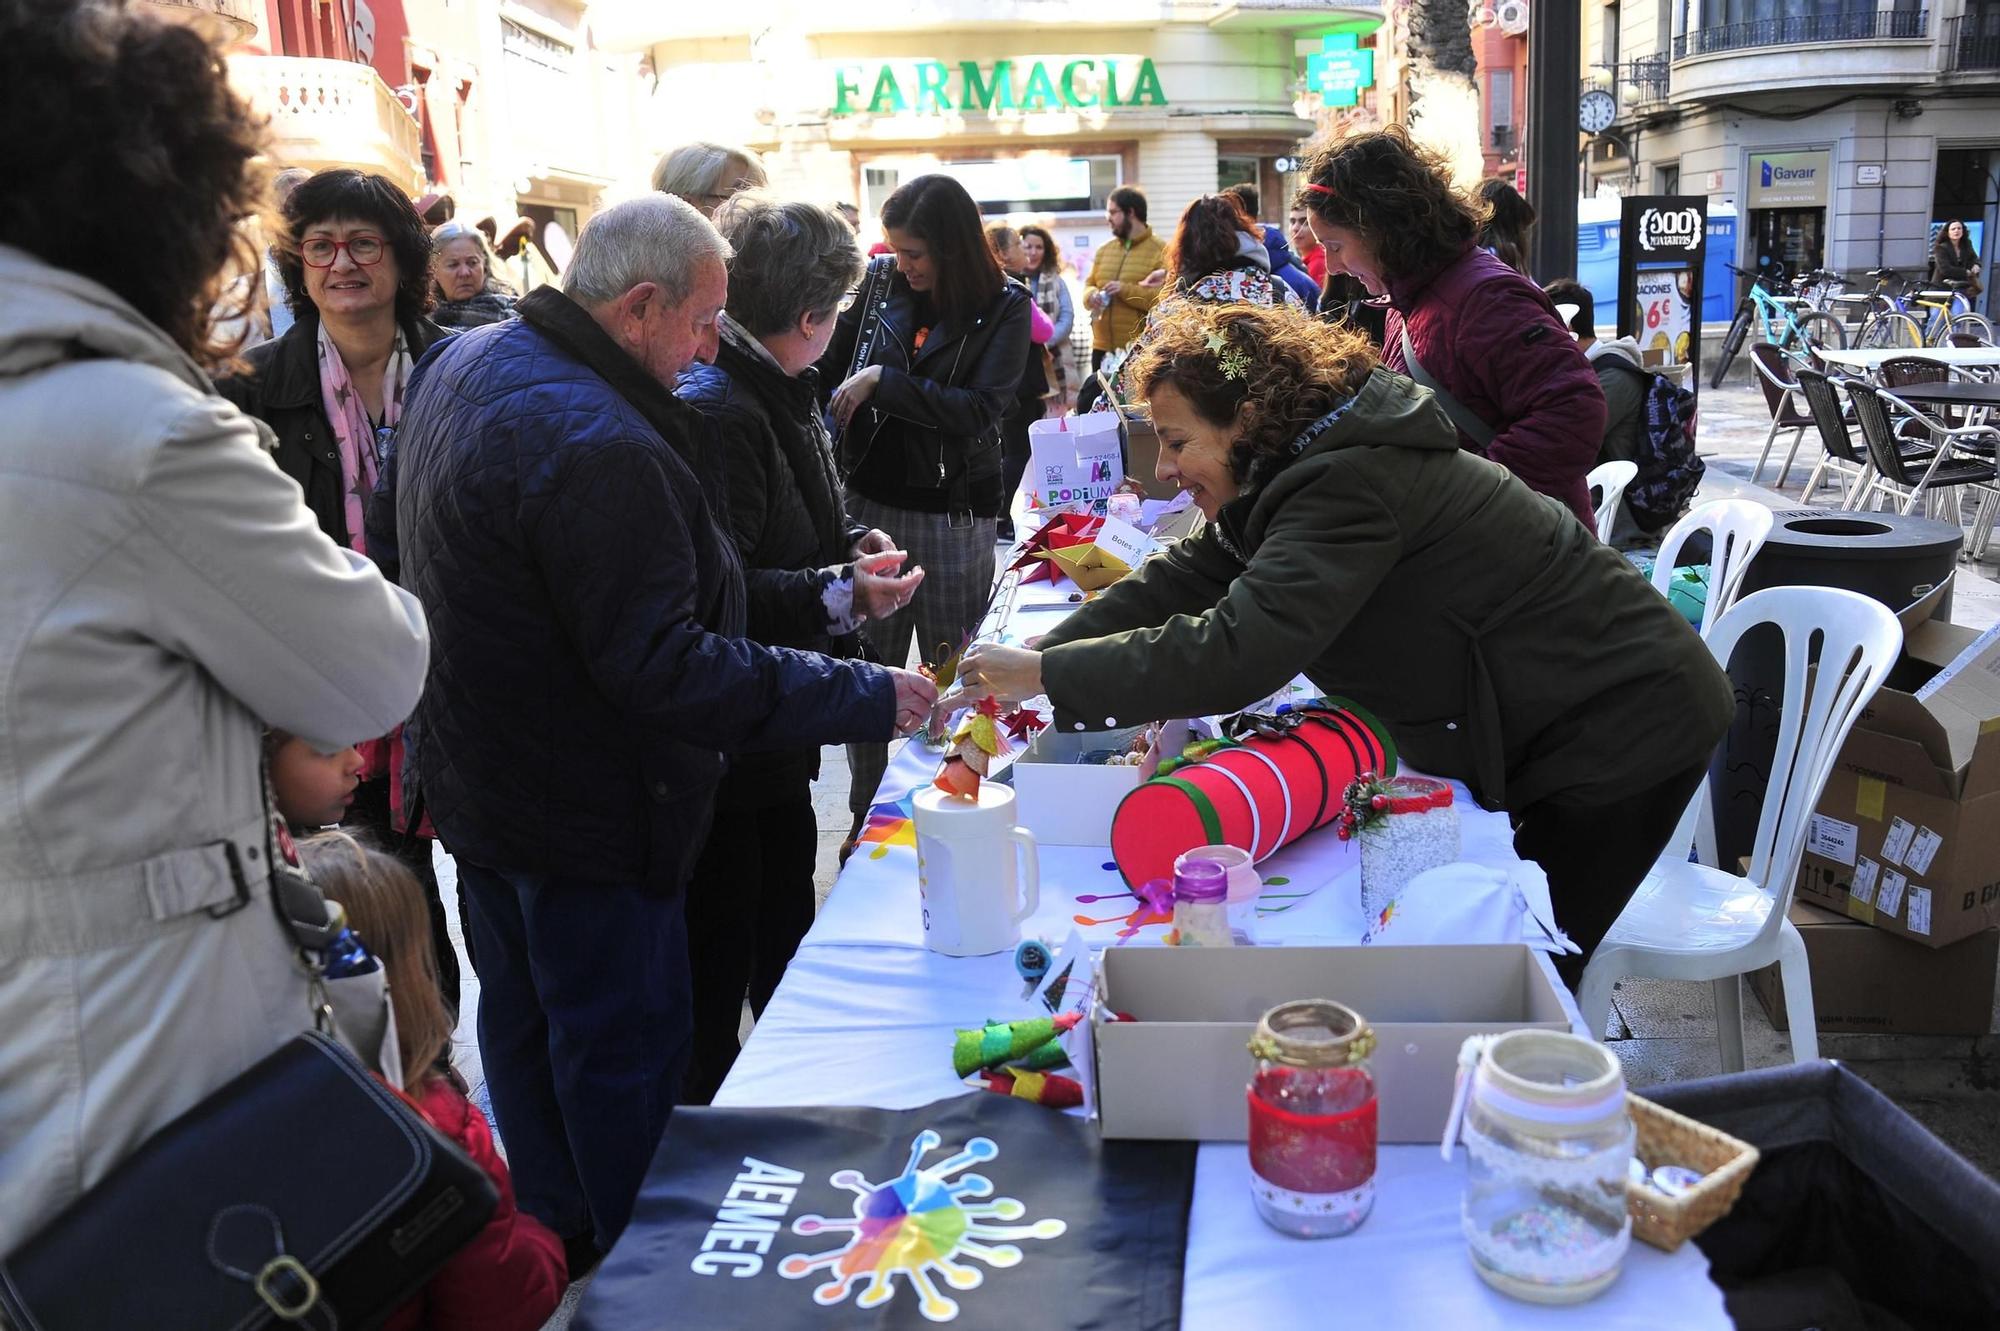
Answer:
(1352, 540)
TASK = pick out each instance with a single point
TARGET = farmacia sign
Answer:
(928, 87)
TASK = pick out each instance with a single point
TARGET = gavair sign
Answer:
(1788, 180)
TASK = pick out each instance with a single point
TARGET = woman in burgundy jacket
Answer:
(1484, 337)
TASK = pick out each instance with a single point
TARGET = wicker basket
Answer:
(1667, 1138)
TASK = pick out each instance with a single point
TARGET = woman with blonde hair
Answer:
(1352, 540)
(707, 174)
(512, 1274)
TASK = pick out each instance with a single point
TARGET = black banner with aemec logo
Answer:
(980, 1211)
(1662, 239)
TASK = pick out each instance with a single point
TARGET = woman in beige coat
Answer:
(163, 594)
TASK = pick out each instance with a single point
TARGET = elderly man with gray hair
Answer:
(589, 672)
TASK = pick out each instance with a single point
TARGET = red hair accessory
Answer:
(1320, 189)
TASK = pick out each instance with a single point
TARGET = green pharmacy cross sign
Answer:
(1340, 70)
(933, 87)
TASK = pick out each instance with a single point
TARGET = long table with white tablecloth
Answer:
(866, 1012)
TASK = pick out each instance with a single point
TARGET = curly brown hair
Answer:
(1277, 372)
(153, 169)
(1398, 195)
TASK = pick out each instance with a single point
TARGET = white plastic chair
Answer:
(1693, 922)
(1737, 530)
(1611, 478)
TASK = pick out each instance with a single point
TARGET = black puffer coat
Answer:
(281, 388)
(788, 513)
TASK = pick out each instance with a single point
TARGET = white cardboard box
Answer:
(1065, 802)
(1181, 1070)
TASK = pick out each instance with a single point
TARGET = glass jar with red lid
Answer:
(1313, 1119)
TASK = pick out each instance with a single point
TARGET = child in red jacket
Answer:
(512, 1275)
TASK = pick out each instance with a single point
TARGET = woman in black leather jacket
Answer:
(918, 410)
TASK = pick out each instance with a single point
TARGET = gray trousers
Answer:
(958, 582)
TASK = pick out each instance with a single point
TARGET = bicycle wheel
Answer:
(1732, 343)
(1976, 324)
(1890, 332)
(1821, 330)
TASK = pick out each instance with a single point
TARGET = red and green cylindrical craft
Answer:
(1279, 782)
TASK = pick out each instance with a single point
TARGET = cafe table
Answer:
(1869, 360)
(866, 1012)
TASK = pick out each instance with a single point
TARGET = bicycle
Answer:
(1797, 335)
(1890, 326)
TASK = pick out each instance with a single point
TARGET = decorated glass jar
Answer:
(1313, 1122)
(1405, 826)
(1549, 1146)
(1201, 904)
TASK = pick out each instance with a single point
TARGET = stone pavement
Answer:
(1662, 1030)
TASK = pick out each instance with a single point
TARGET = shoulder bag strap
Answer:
(1478, 431)
(872, 298)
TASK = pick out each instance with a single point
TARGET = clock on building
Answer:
(1596, 111)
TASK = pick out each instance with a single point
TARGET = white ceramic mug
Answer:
(966, 850)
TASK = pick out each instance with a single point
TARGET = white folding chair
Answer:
(1610, 478)
(1695, 922)
(1737, 530)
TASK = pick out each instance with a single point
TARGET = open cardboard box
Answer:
(1181, 1070)
(1865, 981)
(1906, 835)
(1063, 801)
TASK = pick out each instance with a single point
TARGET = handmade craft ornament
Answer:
(1042, 1088)
(974, 745)
(1061, 532)
(1005, 1041)
(1280, 779)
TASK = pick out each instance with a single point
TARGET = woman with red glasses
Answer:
(356, 263)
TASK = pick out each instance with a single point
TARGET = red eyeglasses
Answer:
(320, 252)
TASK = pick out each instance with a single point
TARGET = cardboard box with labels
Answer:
(1906, 835)
(1866, 982)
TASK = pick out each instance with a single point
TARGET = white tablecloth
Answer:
(865, 1016)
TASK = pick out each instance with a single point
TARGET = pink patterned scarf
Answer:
(353, 432)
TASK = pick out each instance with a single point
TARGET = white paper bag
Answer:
(1071, 459)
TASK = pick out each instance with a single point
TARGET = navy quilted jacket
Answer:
(587, 669)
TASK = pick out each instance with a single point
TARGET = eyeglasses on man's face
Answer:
(322, 252)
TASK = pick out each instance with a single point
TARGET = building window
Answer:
(1669, 178)
(1033, 183)
(1500, 109)
(1610, 20)
(1235, 171)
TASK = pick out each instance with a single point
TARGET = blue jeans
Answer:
(585, 1022)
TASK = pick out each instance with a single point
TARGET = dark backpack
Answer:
(1669, 469)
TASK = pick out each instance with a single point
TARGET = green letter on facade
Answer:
(1040, 94)
(1146, 92)
(888, 95)
(846, 86)
(931, 94)
(982, 96)
(1070, 96)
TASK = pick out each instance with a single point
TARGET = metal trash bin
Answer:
(1896, 560)
(1854, 1209)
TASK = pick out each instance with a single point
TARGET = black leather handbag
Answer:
(304, 1193)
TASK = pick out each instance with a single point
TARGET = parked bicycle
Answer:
(1902, 319)
(1788, 322)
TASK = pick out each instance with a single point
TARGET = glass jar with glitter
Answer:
(1201, 904)
(1313, 1123)
(1549, 1145)
(1404, 826)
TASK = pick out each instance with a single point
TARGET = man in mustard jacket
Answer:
(1115, 294)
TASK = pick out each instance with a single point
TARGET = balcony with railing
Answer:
(1972, 40)
(1853, 48)
(327, 113)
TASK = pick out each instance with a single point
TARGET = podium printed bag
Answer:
(1072, 459)
(974, 1211)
